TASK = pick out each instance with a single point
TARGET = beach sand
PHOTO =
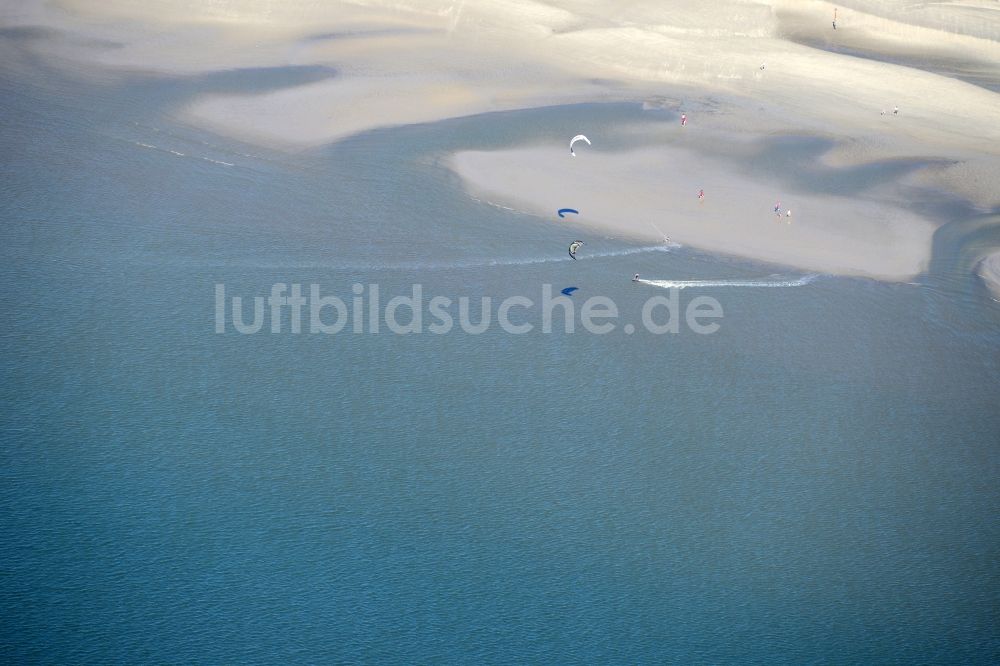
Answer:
(653, 192)
(410, 61)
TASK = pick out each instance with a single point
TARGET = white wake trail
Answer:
(684, 284)
(450, 265)
(486, 263)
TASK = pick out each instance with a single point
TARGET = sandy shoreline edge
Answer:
(989, 272)
(650, 193)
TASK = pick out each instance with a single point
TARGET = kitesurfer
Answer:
(573, 247)
(636, 278)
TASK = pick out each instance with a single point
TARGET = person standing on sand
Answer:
(834, 18)
(895, 110)
(701, 196)
(684, 119)
(777, 209)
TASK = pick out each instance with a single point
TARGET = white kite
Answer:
(578, 137)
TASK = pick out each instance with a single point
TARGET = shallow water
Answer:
(814, 482)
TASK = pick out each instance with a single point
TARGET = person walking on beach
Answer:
(701, 196)
(684, 119)
(777, 209)
(895, 110)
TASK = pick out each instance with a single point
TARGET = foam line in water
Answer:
(180, 154)
(684, 284)
(500, 206)
(209, 159)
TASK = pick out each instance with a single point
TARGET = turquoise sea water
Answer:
(815, 483)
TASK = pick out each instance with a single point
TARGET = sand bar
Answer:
(649, 193)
